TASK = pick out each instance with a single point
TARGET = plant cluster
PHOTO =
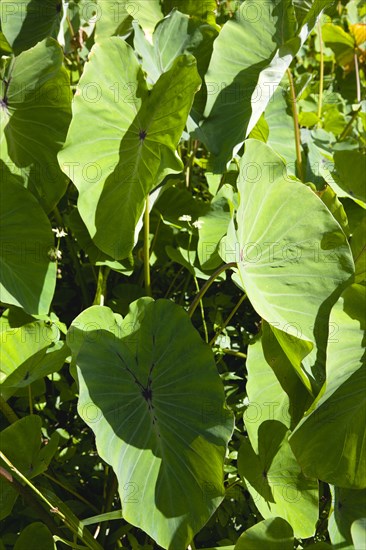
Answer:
(183, 268)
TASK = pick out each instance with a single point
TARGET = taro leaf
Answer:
(281, 128)
(38, 92)
(358, 246)
(29, 351)
(348, 506)
(115, 17)
(127, 143)
(329, 443)
(241, 79)
(35, 536)
(21, 444)
(289, 268)
(26, 22)
(27, 276)
(174, 35)
(273, 533)
(353, 182)
(150, 391)
(204, 11)
(268, 465)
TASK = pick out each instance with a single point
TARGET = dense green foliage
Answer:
(183, 270)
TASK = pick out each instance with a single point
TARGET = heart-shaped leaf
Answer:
(150, 391)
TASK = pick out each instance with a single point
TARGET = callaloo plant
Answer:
(182, 275)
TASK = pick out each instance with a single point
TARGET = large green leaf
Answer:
(126, 145)
(30, 349)
(35, 113)
(274, 533)
(35, 536)
(21, 444)
(351, 182)
(330, 441)
(241, 77)
(290, 268)
(26, 22)
(268, 465)
(27, 276)
(150, 391)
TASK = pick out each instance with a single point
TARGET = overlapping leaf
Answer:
(266, 461)
(241, 78)
(330, 442)
(290, 268)
(26, 22)
(35, 114)
(27, 275)
(127, 142)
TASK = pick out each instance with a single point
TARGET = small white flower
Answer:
(59, 232)
(198, 224)
(185, 218)
(58, 254)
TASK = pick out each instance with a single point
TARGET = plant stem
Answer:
(147, 248)
(71, 491)
(112, 487)
(358, 83)
(53, 509)
(321, 76)
(202, 310)
(296, 126)
(28, 496)
(228, 319)
(30, 399)
(349, 125)
(7, 411)
(173, 281)
(155, 235)
(101, 291)
(207, 285)
(234, 353)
